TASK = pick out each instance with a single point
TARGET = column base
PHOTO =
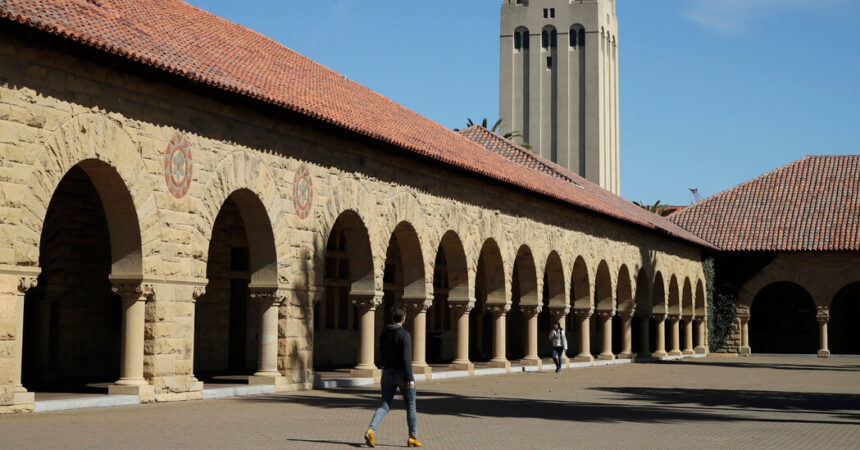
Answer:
(675, 353)
(145, 392)
(583, 358)
(529, 362)
(660, 354)
(376, 374)
(267, 380)
(625, 356)
(463, 366)
(824, 353)
(423, 369)
(606, 357)
(688, 352)
(701, 350)
(744, 351)
(500, 365)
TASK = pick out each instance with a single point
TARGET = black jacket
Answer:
(396, 347)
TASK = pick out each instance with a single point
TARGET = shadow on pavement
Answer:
(761, 365)
(666, 409)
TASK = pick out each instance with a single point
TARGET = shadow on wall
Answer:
(712, 405)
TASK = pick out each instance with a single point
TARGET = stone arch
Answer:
(700, 306)
(603, 288)
(580, 290)
(347, 207)
(624, 291)
(458, 269)
(412, 259)
(687, 300)
(493, 268)
(783, 320)
(674, 300)
(554, 281)
(526, 274)
(111, 159)
(248, 178)
(658, 295)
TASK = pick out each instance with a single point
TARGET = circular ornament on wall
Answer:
(178, 166)
(303, 192)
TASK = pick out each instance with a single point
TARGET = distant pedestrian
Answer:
(396, 346)
(559, 345)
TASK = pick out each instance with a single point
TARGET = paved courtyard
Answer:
(760, 402)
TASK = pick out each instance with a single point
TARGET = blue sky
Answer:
(713, 92)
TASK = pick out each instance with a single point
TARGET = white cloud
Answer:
(736, 16)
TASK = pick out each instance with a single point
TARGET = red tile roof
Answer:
(812, 204)
(175, 37)
(589, 195)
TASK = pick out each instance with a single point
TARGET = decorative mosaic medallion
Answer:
(178, 166)
(303, 192)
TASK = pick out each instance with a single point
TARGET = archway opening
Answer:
(73, 319)
(450, 284)
(580, 299)
(625, 305)
(227, 322)
(658, 307)
(553, 297)
(782, 320)
(348, 269)
(489, 289)
(603, 304)
(843, 337)
(642, 320)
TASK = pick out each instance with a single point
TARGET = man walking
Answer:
(396, 346)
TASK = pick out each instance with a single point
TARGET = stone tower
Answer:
(559, 82)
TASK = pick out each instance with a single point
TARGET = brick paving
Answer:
(762, 402)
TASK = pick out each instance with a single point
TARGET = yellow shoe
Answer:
(412, 442)
(368, 439)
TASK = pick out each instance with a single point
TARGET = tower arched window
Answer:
(553, 39)
(582, 37)
(526, 39)
(544, 39)
(573, 38)
(518, 41)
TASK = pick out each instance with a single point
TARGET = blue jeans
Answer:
(391, 381)
(558, 356)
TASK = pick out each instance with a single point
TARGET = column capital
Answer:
(659, 317)
(583, 313)
(627, 314)
(674, 317)
(606, 314)
(367, 301)
(687, 318)
(461, 307)
(199, 291)
(743, 312)
(497, 309)
(531, 310)
(27, 282)
(267, 296)
(128, 289)
(823, 314)
(417, 305)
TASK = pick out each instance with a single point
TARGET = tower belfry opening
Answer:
(563, 96)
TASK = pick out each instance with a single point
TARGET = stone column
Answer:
(644, 337)
(134, 296)
(674, 321)
(606, 325)
(660, 351)
(627, 334)
(530, 313)
(583, 315)
(744, 319)
(701, 348)
(558, 314)
(267, 360)
(417, 308)
(688, 336)
(499, 313)
(823, 317)
(461, 317)
(366, 305)
(195, 385)
(20, 394)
